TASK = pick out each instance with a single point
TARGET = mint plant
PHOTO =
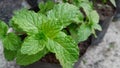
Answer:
(45, 32)
(88, 24)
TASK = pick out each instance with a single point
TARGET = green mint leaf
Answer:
(9, 55)
(33, 44)
(24, 59)
(84, 32)
(94, 22)
(44, 7)
(34, 23)
(73, 28)
(65, 48)
(60, 34)
(94, 17)
(86, 7)
(62, 16)
(11, 42)
(97, 27)
(16, 28)
(50, 28)
(28, 21)
(3, 29)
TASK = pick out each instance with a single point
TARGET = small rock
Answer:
(7, 7)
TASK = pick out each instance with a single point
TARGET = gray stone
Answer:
(107, 53)
(4, 63)
(7, 7)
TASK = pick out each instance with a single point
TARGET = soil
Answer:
(104, 10)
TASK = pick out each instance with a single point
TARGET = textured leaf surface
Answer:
(34, 23)
(33, 44)
(97, 27)
(86, 7)
(9, 55)
(84, 32)
(12, 42)
(51, 28)
(63, 16)
(28, 21)
(66, 50)
(44, 7)
(3, 29)
(94, 21)
(44, 31)
(94, 17)
(24, 59)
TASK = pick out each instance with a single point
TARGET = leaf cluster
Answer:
(46, 32)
